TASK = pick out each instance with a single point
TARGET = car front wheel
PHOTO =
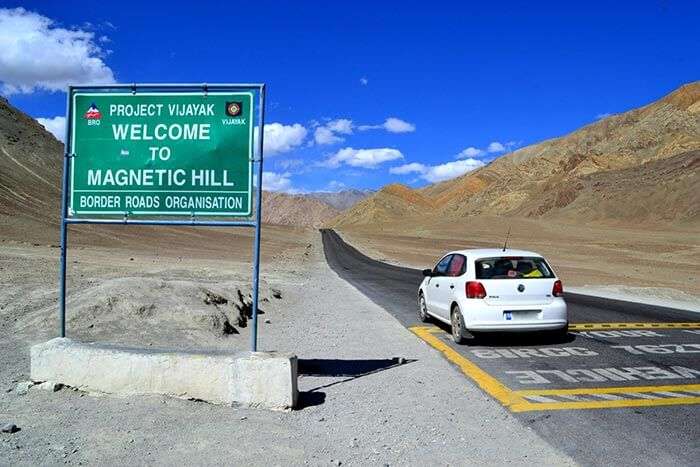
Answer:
(423, 310)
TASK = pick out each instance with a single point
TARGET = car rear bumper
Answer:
(486, 318)
(516, 327)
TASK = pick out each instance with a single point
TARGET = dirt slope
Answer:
(637, 168)
(30, 166)
(391, 202)
(283, 209)
(341, 200)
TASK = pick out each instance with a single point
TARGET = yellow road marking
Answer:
(604, 404)
(488, 383)
(515, 401)
(611, 390)
(609, 326)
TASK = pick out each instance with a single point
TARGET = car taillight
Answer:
(475, 290)
(558, 289)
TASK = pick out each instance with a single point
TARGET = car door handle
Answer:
(437, 285)
(452, 286)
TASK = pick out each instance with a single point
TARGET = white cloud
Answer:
(604, 115)
(328, 133)
(471, 151)
(396, 125)
(281, 138)
(366, 158)
(323, 136)
(341, 125)
(35, 54)
(273, 181)
(56, 126)
(413, 167)
(496, 147)
(392, 125)
(288, 164)
(364, 81)
(441, 172)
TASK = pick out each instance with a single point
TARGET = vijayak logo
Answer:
(233, 109)
(93, 115)
(234, 112)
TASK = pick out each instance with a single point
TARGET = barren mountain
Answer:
(341, 200)
(30, 166)
(297, 210)
(391, 202)
(638, 167)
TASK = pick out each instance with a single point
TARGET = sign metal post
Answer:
(137, 153)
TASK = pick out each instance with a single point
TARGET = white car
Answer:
(493, 290)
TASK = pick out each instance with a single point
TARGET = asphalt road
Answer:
(623, 388)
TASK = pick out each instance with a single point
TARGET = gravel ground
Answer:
(359, 404)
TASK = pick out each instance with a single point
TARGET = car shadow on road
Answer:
(513, 339)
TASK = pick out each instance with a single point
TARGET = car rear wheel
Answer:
(422, 309)
(458, 331)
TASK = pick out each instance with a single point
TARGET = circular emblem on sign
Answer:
(521, 288)
(233, 108)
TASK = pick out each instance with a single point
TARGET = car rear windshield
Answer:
(513, 267)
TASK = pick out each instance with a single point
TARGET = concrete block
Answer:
(264, 380)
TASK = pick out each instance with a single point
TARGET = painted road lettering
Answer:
(621, 333)
(659, 348)
(616, 368)
(545, 352)
(587, 375)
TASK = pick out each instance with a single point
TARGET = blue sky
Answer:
(366, 93)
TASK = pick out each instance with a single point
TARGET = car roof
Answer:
(494, 253)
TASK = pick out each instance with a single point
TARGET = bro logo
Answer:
(93, 115)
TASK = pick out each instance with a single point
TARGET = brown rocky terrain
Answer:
(343, 199)
(297, 210)
(392, 202)
(30, 182)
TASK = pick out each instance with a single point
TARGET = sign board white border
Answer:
(247, 213)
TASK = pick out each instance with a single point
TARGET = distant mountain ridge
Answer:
(638, 167)
(296, 210)
(343, 199)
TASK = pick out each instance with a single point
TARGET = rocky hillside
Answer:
(30, 166)
(341, 200)
(637, 167)
(391, 202)
(297, 210)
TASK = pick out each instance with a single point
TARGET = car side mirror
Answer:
(428, 272)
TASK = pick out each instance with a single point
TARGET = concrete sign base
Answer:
(253, 379)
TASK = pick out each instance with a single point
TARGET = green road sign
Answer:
(161, 153)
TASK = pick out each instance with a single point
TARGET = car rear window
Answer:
(513, 267)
